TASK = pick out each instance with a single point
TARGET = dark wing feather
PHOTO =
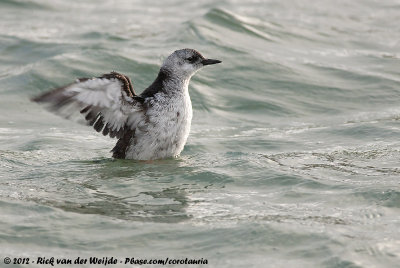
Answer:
(108, 103)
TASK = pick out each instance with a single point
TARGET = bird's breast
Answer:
(167, 128)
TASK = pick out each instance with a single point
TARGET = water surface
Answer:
(293, 157)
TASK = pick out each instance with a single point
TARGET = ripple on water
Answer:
(293, 155)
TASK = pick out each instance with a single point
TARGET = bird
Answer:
(152, 125)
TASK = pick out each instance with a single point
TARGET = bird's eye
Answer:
(192, 59)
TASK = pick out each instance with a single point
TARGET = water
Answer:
(293, 157)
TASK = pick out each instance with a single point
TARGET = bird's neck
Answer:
(168, 83)
(173, 82)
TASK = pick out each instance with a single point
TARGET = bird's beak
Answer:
(210, 61)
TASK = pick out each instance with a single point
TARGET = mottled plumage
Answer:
(152, 125)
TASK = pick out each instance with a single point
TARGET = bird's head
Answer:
(186, 62)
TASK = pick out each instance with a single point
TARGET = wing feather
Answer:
(108, 103)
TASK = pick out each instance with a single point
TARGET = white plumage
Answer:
(152, 125)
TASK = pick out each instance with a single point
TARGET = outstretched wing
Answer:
(108, 103)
